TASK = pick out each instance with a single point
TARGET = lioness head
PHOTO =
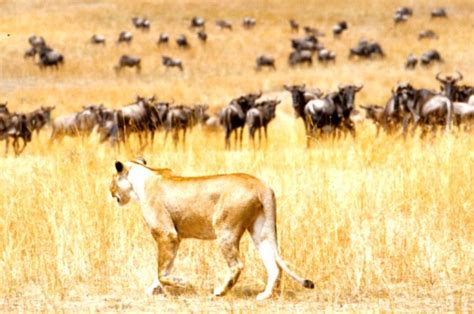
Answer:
(121, 188)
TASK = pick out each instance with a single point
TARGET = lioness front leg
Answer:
(168, 245)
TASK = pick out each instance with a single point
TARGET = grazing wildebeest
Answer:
(163, 39)
(50, 58)
(130, 62)
(366, 49)
(233, 117)
(339, 28)
(98, 39)
(169, 62)
(305, 43)
(439, 13)
(326, 56)
(182, 41)
(248, 22)
(38, 118)
(202, 35)
(223, 24)
(376, 114)
(411, 62)
(76, 124)
(333, 111)
(259, 117)
(427, 34)
(141, 23)
(265, 61)
(299, 57)
(125, 37)
(197, 22)
(294, 25)
(312, 31)
(30, 53)
(402, 14)
(430, 56)
(448, 86)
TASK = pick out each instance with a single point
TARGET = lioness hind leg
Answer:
(230, 250)
(267, 255)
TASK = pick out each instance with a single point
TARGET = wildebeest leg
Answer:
(184, 136)
(6, 146)
(259, 137)
(175, 137)
(227, 138)
(241, 136)
(252, 136)
(166, 135)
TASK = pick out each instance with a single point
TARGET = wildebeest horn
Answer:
(358, 88)
(438, 77)
(459, 76)
(364, 107)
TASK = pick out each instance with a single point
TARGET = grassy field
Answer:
(377, 223)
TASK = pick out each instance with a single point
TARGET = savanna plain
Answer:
(378, 223)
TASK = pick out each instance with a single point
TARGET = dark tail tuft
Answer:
(308, 284)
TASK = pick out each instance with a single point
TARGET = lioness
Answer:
(218, 207)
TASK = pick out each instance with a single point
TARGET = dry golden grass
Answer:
(377, 223)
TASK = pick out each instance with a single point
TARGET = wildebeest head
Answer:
(347, 93)
(448, 83)
(297, 95)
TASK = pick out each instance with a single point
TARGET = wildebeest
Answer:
(248, 22)
(197, 22)
(300, 97)
(76, 124)
(333, 111)
(169, 62)
(182, 41)
(299, 57)
(402, 14)
(16, 127)
(366, 49)
(376, 114)
(430, 56)
(309, 42)
(97, 39)
(411, 62)
(50, 58)
(427, 34)
(128, 61)
(223, 24)
(312, 31)
(449, 82)
(294, 25)
(139, 117)
(141, 23)
(202, 35)
(339, 28)
(125, 37)
(38, 118)
(428, 109)
(233, 117)
(163, 39)
(265, 61)
(259, 117)
(326, 56)
(439, 13)
(177, 118)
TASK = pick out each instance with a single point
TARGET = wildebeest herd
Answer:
(322, 113)
(304, 49)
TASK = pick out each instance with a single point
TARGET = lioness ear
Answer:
(119, 166)
(141, 160)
